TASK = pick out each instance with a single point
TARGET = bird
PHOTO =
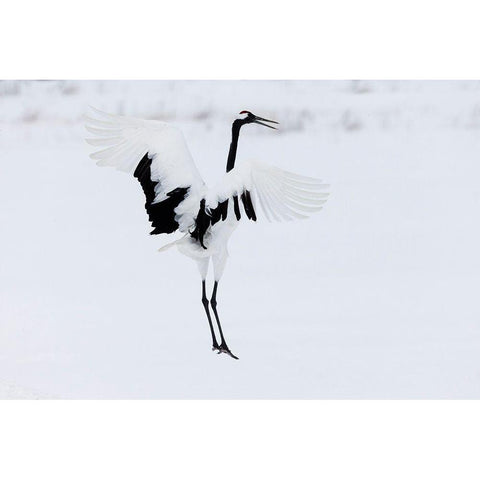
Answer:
(177, 199)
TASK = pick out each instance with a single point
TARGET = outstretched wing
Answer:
(281, 196)
(157, 155)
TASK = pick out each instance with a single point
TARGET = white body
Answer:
(217, 248)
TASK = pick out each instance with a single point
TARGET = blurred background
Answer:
(324, 106)
(374, 297)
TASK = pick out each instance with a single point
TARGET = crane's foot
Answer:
(223, 348)
(215, 347)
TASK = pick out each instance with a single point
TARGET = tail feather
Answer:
(171, 244)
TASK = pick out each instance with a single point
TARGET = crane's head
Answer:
(249, 117)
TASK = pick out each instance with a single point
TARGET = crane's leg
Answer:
(219, 265)
(203, 267)
(207, 311)
(223, 348)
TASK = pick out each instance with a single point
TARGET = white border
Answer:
(239, 440)
(206, 39)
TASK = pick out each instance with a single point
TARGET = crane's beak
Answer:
(260, 121)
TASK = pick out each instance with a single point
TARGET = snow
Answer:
(373, 297)
(9, 391)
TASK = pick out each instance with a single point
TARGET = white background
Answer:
(371, 39)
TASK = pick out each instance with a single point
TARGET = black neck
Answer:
(232, 153)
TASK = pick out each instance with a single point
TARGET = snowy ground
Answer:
(375, 297)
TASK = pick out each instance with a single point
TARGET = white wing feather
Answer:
(282, 195)
(128, 140)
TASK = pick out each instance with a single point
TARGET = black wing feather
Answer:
(248, 205)
(206, 219)
(161, 214)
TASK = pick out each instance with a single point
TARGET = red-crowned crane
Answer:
(178, 199)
